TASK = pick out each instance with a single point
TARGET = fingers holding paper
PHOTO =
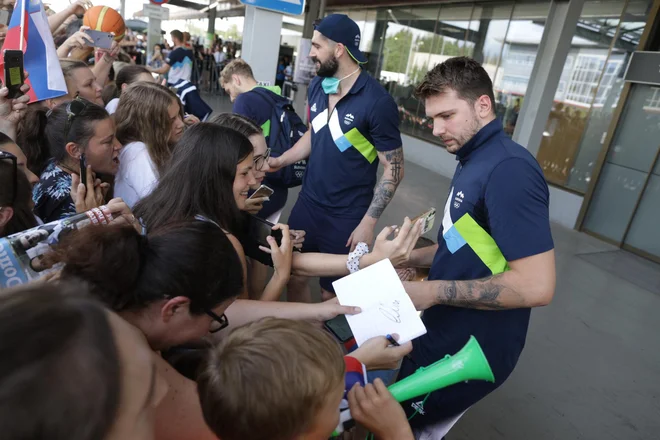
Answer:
(379, 354)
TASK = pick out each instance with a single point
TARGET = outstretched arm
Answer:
(530, 282)
(392, 162)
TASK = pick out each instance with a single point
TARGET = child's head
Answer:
(274, 379)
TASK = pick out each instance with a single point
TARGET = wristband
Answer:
(353, 263)
(92, 218)
(106, 213)
(100, 216)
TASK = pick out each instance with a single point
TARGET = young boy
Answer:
(278, 379)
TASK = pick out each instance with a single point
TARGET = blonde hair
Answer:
(68, 67)
(236, 67)
(269, 380)
(142, 116)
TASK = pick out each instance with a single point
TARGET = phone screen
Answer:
(261, 229)
(14, 76)
(13, 72)
(429, 220)
(339, 327)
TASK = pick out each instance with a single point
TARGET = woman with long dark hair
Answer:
(173, 286)
(73, 130)
(210, 174)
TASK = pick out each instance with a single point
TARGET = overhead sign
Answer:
(293, 7)
(644, 67)
(159, 2)
(156, 12)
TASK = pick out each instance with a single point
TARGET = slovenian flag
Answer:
(40, 55)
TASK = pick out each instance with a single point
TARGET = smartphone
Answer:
(429, 219)
(260, 230)
(102, 40)
(263, 191)
(5, 16)
(83, 170)
(14, 75)
(339, 327)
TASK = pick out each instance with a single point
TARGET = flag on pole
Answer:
(29, 31)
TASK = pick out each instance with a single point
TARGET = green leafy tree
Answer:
(397, 51)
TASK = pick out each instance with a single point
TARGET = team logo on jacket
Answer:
(348, 119)
(458, 199)
(313, 107)
(419, 407)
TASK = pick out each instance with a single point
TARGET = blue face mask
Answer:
(331, 85)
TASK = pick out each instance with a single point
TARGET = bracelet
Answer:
(100, 216)
(353, 263)
(106, 213)
(92, 217)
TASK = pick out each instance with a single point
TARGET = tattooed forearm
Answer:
(475, 294)
(387, 186)
(395, 159)
(382, 197)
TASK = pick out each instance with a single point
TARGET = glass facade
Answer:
(589, 90)
(403, 43)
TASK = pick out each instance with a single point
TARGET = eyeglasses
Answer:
(218, 323)
(74, 109)
(14, 169)
(260, 161)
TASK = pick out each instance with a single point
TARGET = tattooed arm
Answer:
(392, 162)
(530, 282)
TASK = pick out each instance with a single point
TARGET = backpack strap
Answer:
(267, 96)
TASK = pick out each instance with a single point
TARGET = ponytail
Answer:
(31, 137)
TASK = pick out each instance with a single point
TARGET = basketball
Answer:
(105, 19)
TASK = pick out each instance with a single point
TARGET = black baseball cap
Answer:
(341, 29)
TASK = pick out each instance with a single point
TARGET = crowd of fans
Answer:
(144, 323)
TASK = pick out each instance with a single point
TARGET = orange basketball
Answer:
(105, 19)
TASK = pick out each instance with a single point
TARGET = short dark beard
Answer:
(327, 69)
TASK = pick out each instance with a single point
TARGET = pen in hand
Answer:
(392, 341)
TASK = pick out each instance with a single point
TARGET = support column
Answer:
(311, 14)
(210, 31)
(550, 59)
(262, 33)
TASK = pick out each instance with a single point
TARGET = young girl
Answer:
(149, 122)
(211, 173)
(128, 75)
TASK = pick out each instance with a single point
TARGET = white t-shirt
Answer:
(219, 57)
(111, 107)
(137, 175)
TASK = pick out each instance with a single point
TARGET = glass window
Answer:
(521, 41)
(634, 147)
(452, 34)
(581, 114)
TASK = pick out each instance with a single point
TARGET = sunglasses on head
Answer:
(74, 109)
(14, 164)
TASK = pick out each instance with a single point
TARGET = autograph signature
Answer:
(391, 311)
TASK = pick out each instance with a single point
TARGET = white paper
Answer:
(386, 307)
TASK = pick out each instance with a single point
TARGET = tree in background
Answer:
(397, 51)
